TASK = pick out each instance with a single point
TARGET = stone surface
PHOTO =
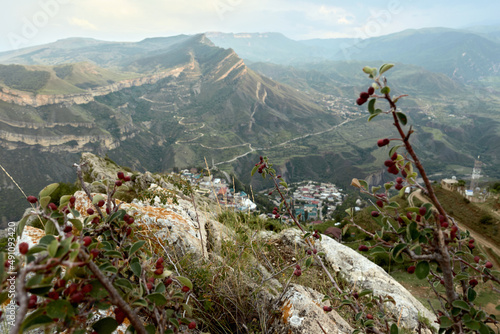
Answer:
(301, 312)
(364, 274)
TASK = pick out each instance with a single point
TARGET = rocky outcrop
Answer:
(36, 100)
(364, 274)
(302, 312)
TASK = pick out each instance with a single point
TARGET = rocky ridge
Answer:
(180, 230)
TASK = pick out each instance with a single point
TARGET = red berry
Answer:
(53, 295)
(32, 199)
(399, 179)
(408, 215)
(444, 225)
(149, 286)
(360, 101)
(90, 211)
(52, 206)
(118, 183)
(95, 220)
(101, 203)
(192, 325)
(159, 271)
(60, 284)
(371, 90)
(297, 266)
(185, 289)
(168, 281)
(315, 251)
(94, 252)
(422, 210)
(398, 186)
(473, 282)
(120, 175)
(108, 211)
(369, 316)
(411, 269)
(404, 174)
(476, 259)
(363, 248)
(488, 265)
(380, 203)
(355, 295)
(23, 248)
(327, 308)
(87, 288)
(383, 142)
(72, 200)
(389, 163)
(126, 178)
(364, 95)
(32, 301)
(471, 241)
(130, 221)
(442, 282)
(375, 213)
(126, 217)
(159, 262)
(393, 170)
(297, 272)
(394, 156)
(87, 241)
(129, 231)
(68, 228)
(471, 246)
(119, 315)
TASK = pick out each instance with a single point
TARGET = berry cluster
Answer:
(261, 164)
(276, 213)
(297, 272)
(391, 165)
(363, 96)
(121, 178)
(159, 266)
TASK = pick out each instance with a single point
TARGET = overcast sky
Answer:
(33, 22)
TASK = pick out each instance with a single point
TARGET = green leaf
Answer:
(50, 228)
(372, 116)
(35, 320)
(52, 249)
(188, 309)
(461, 304)
(20, 226)
(98, 290)
(160, 288)
(385, 90)
(402, 118)
(46, 240)
(157, 298)
(471, 294)
(48, 190)
(474, 325)
(371, 105)
(254, 170)
(123, 283)
(484, 329)
(412, 231)
(394, 329)
(422, 269)
(140, 302)
(185, 281)
(365, 292)
(367, 70)
(40, 290)
(44, 201)
(394, 149)
(59, 309)
(113, 253)
(445, 322)
(385, 67)
(105, 326)
(77, 223)
(135, 247)
(136, 268)
(97, 198)
(378, 250)
(396, 251)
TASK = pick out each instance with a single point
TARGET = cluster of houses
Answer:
(309, 198)
(218, 189)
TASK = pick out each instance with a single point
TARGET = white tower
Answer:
(476, 174)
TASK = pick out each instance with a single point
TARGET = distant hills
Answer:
(175, 101)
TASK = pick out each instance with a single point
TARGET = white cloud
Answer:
(75, 21)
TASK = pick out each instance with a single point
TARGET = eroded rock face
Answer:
(364, 274)
(301, 312)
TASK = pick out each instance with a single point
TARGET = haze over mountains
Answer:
(174, 101)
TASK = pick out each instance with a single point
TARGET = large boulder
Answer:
(364, 274)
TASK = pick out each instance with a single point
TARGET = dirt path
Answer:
(477, 236)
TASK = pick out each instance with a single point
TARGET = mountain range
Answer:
(225, 99)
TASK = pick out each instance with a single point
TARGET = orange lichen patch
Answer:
(286, 311)
(35, 234)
